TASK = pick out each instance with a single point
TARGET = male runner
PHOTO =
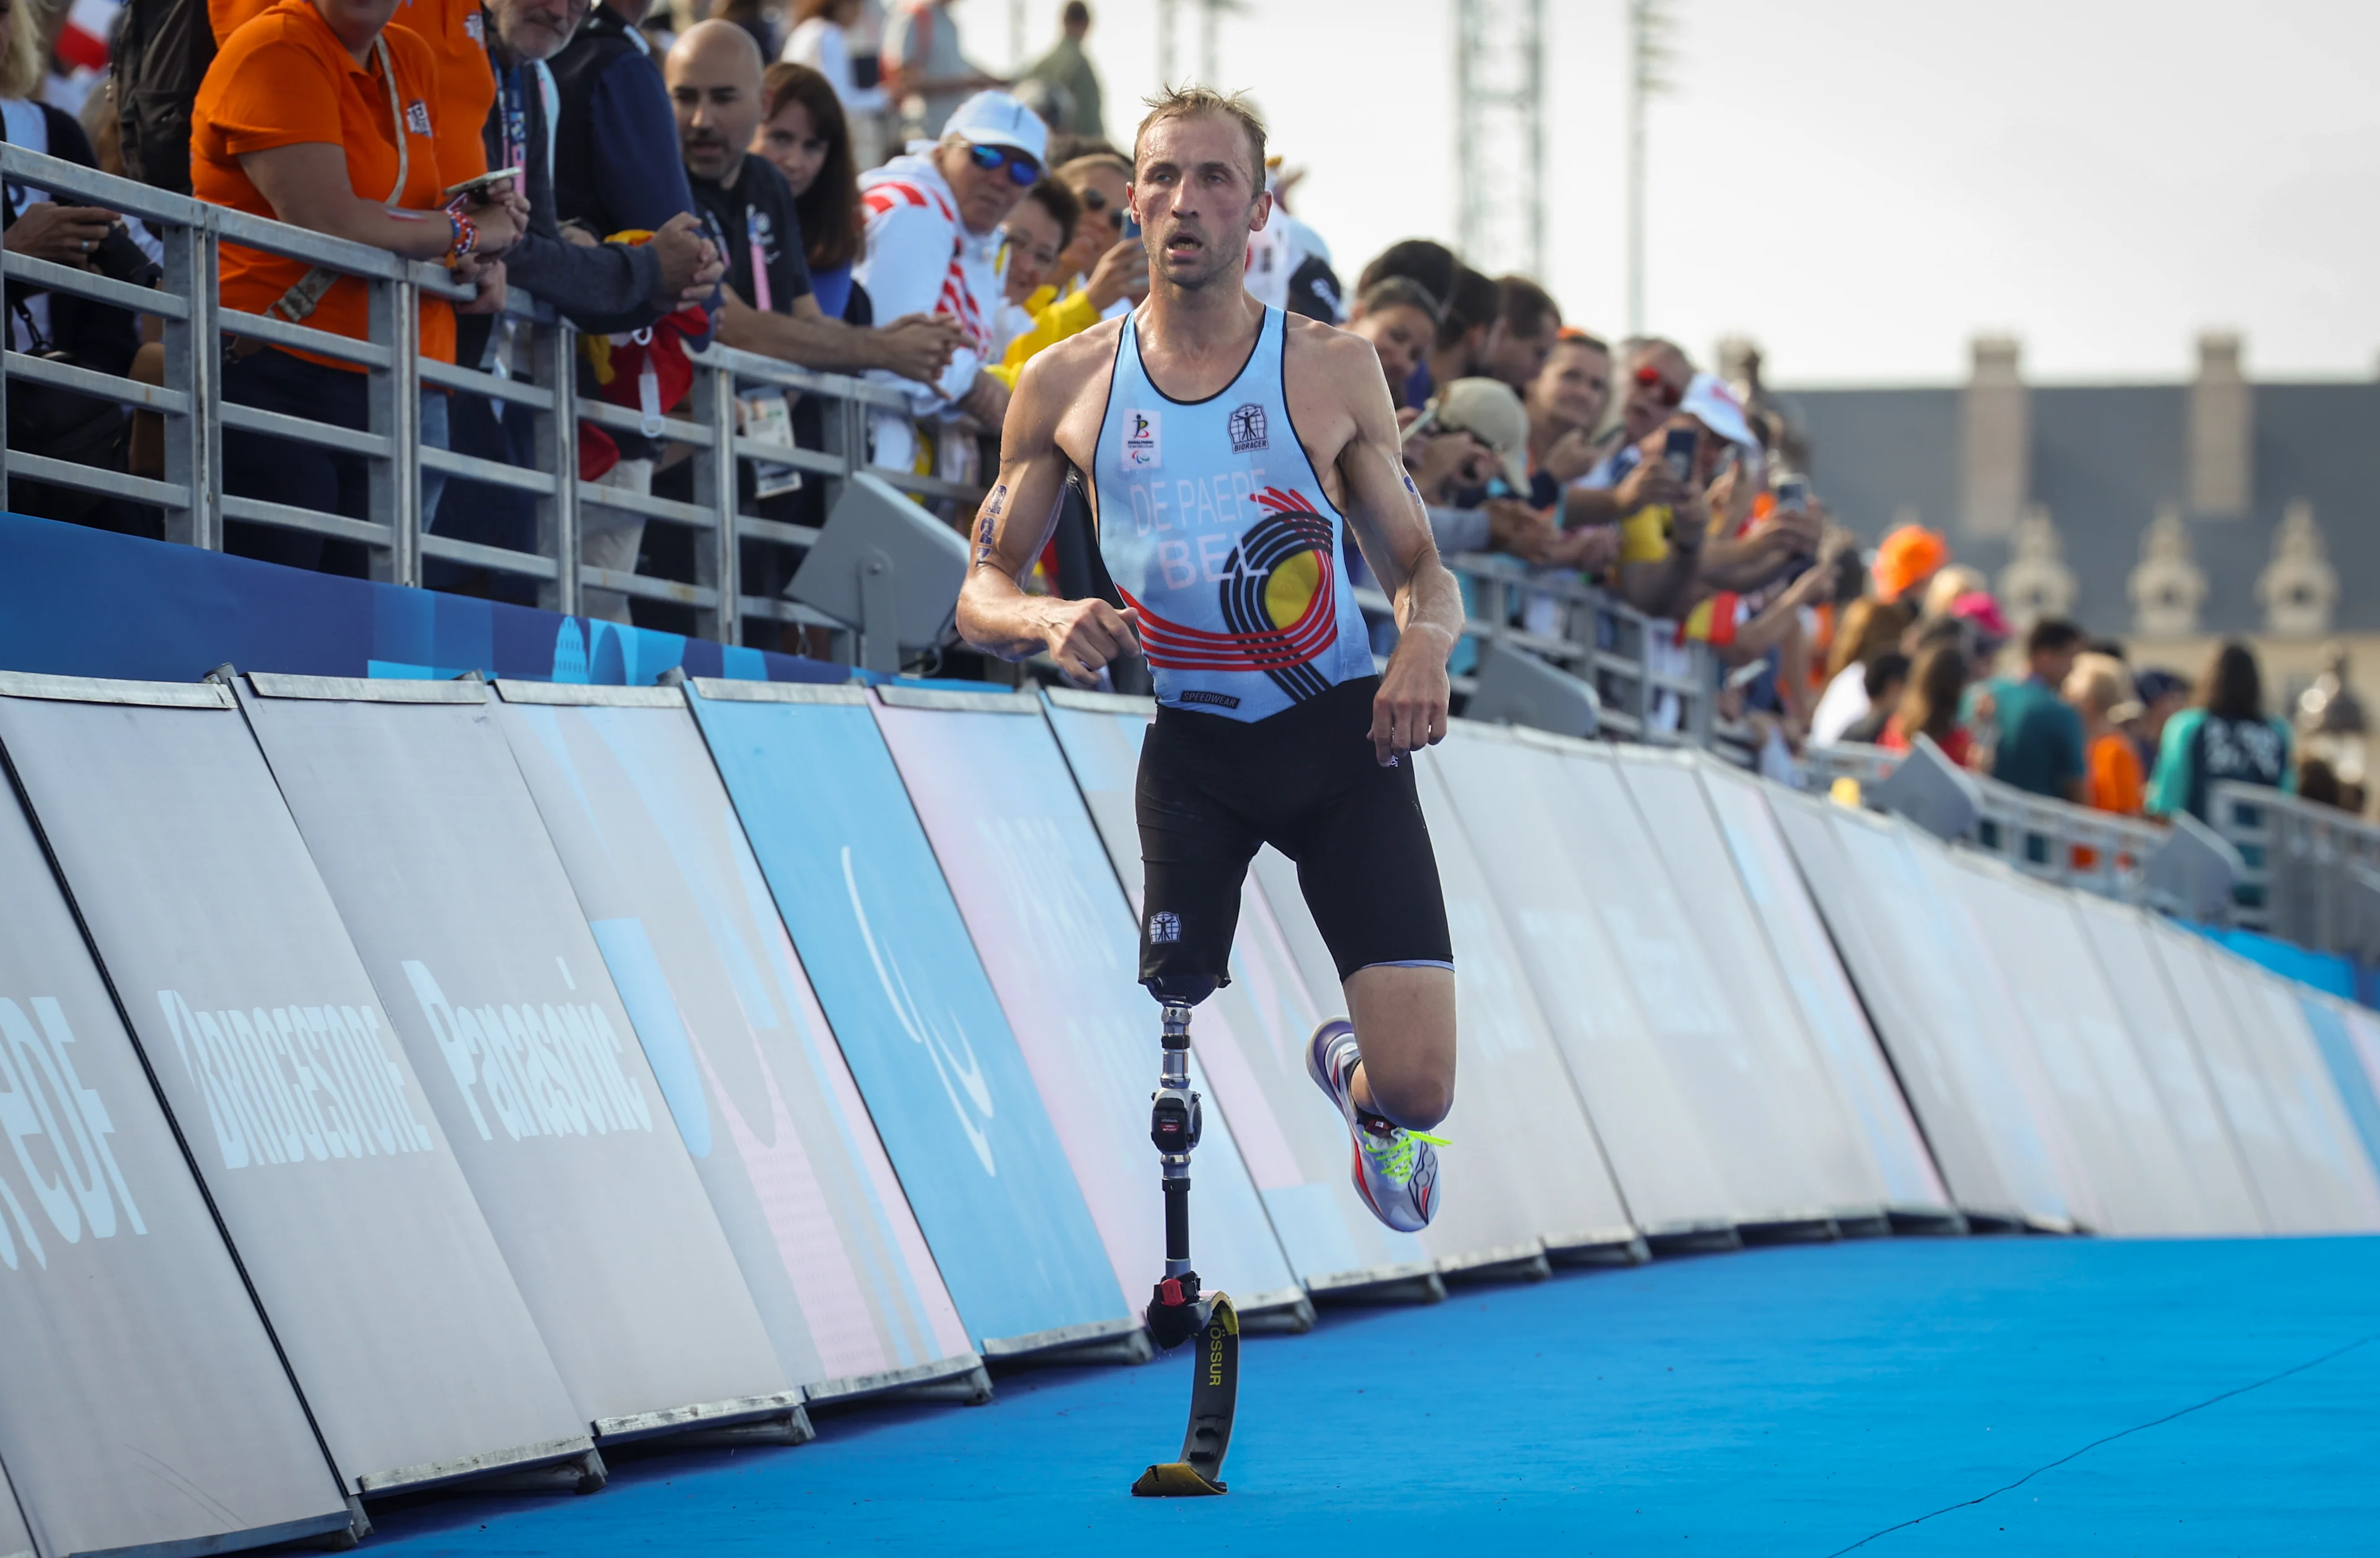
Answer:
(1223, 444)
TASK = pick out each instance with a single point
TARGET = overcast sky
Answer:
(1863, 185)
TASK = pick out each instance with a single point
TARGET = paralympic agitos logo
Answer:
(958, 1076)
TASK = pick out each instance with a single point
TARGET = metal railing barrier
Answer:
(2313, 873)
(2100, 852)
(1650, 691)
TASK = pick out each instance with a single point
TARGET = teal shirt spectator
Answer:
(2041, 740)
(2198, 749)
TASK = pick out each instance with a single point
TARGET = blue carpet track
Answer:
(1890, 1396)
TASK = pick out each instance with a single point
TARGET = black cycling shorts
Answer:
(1212, 790)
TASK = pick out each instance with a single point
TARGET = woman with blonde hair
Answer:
(1944, 589)
(2101, 690)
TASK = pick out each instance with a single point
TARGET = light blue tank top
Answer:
(1213, 525)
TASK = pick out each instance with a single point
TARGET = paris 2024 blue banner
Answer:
(884, 944)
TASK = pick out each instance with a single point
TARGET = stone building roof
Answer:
(2104, 461)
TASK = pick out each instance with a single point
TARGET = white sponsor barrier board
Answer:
(337, 1186)
(1823, 1159)
(2134, 1158)
(2346, 1030)
(1823, 992)
(761, 1097)
(1982, 988)
(1525, 1166)
(1250, 1036)
(15, 1541)
(1561, 894)
(1040, 901)
(131, 1341)
(2343, 1195)
(2235, 1069)
(1917, 964)
(1490, 1212)
(2121, 938)
(413, 811)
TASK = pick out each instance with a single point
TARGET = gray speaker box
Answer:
(885, 568)
(1516, 688)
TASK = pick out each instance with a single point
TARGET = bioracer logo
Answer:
(1247, 429)
(1164, 926)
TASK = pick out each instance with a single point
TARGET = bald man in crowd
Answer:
(713, 73)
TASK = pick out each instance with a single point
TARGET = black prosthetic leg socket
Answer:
(1180, 989)
(1174, 1313)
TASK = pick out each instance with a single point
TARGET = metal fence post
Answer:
(553, 349)
(1647, 697)
(1704, 671)
(5, 344)
(193, 361)
(715, 566)
(395, 414)
(846, 429)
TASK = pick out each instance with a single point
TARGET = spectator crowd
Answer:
(837, 187)
(1923, 649)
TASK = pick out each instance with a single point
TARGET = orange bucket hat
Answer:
(1908, 558)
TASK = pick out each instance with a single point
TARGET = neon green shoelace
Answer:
(1394, 1156)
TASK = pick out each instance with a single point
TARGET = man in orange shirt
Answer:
(318, 114)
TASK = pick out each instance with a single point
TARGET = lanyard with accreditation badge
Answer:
(767, 418)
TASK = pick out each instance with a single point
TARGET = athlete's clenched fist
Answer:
(1085, 637)
(1409, 712)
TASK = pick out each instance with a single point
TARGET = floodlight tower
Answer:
(1500, 133)
(1649, 27)
(1210, 14)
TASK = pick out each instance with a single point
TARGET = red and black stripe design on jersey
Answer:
(1277, 596)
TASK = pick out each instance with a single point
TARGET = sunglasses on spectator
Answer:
(1094, 202)
(1665, 392)
(1022, 171)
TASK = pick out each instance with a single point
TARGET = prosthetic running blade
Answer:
(1214, 1394)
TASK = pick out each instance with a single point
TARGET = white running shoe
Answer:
(1395, 1169)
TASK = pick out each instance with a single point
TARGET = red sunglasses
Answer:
(1668, 393)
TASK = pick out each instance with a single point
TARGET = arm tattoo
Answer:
(988, 524)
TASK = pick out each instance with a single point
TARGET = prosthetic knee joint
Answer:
(1174, 1309)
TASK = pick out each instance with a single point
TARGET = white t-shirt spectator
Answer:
(1841, 706)
(919, 260)
(821, 45)
(1275, 252)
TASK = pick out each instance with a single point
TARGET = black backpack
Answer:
(163, 49)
